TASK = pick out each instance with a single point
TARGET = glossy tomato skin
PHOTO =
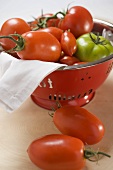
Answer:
(53, 22)
(78, 122)
(78, 19)
(11, 26)
(57, 152)
(68, 43)
(88, 50)
(69, 60)
(57, 32)
(40, 46)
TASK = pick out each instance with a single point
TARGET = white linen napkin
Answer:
(19, 78)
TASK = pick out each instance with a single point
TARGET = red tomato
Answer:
(57, 152)
(52, 22)
(33, 24)
(38, 20)
(78, 122)
(69, 60)
(1, 48)
(40, 46)
(68, 43)
(11, 26)
(57, 32)
(78, 19)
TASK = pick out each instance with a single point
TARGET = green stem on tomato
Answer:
(55, 16)
(20, 42)
(43, 20)
(53, 109)
(89, 154)
(97, 39)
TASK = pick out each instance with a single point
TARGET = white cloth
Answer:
(19, 78)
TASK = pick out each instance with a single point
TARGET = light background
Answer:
(102, 9)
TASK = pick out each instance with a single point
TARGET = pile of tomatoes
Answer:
(54, 37)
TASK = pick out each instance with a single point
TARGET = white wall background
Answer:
(102, 9)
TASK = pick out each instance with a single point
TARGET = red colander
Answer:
(74, 85)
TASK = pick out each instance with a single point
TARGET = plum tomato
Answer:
(11, 26)
(68, 43)
(57, 152)
(80, 123)
(40, 46)
(61, 152)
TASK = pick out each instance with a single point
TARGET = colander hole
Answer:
(85, 94)
(79, 96)
(69, 97)
(59, 97)
(73, 97)
(90, 91)
(109, 68)
(64, 97)
(55, 97)
(89, 77)
(50, 97)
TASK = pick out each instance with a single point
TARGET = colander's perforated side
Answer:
(64, 97)
(109, 68)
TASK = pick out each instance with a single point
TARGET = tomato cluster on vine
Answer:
(65, 39)
(48, 37)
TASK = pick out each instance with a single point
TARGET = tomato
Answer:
(57, 32)
(39, 20)
(68, 43)
(11, 26)
(78, 19)
(69, 60)
(1, 48)
(53, 22)
(57, 152)
(80, 123)
(60, 152)
(45, 20)
(40, 46)
(91, 47)
(33, 24)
